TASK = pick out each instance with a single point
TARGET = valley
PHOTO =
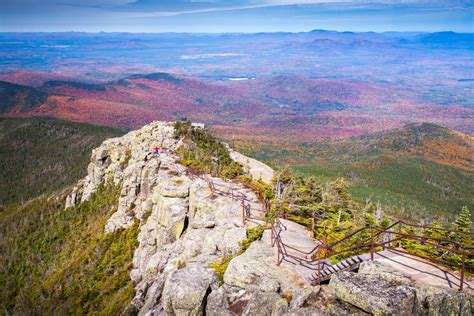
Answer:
(324, 103)
(236, 157)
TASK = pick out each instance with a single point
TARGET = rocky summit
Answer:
(189, 221)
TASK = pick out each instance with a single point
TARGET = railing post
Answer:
(399, 235)
(462, 271)
(319, 266)
(272, 234)
(324, 240)
(371, 243)
(278, 254)
(243, 212)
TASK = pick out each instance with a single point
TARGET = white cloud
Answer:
(226, 5)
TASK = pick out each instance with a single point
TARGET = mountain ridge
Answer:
(263, 107)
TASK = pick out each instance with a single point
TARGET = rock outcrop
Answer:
(184, 227)
(379, 290)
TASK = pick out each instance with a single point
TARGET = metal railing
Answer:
(233, 193)
(306, 256)
(367, 240)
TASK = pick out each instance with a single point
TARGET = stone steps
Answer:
(349, 264)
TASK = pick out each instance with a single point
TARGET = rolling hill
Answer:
(17, 98)
(421, 170)
(293, 108)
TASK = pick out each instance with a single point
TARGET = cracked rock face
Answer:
(184, 228)
(185, 294)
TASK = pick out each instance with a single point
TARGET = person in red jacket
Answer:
(156, 152)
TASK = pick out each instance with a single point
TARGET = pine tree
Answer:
(463, 225)
(463, 221)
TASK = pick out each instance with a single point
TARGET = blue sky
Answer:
(235, 15)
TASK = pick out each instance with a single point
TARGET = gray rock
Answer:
(437, 301)
(227, 300)
(336, 308)
(203, 224)
(280, 307)
(232, 239)
(383, 271)
(308, 311)
(153, 295)
(430, 300)
(254, 269)
(374, 295)
(261, 304)
(301, 295)
(186, 290)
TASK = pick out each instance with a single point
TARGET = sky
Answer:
(217, 16)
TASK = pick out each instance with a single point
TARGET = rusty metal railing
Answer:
(232, 192)
(370, 242)
(306, 256)
(396, 239)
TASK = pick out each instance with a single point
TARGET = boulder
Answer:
(439, 301)
(203, 224)
(228, 300)
(262, 304)
(374, 295)
(309, 311)
(153, 295)
(301, 295)
(186, 290)
(232, 239)
(280, 307)
(254, 269)
(430, 300)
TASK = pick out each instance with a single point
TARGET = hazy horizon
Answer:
(237, 33)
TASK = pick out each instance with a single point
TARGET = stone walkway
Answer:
(417, 269)
(228, 188)
(256, 168)
(300, 245)
(420, 270)
(294, 235)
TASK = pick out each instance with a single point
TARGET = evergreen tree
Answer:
(463, 221)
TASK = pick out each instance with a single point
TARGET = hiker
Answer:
(156, 152)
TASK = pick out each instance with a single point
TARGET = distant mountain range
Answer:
(278, 107)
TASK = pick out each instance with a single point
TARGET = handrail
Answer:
(387, 231)
(401, 236)
(424, 257)
(436, 228)
(282, 246)
(324, 251)
(425, 238)
(368, 243)
(346, 237)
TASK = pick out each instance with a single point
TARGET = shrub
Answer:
(205, 153)
(221, 266)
